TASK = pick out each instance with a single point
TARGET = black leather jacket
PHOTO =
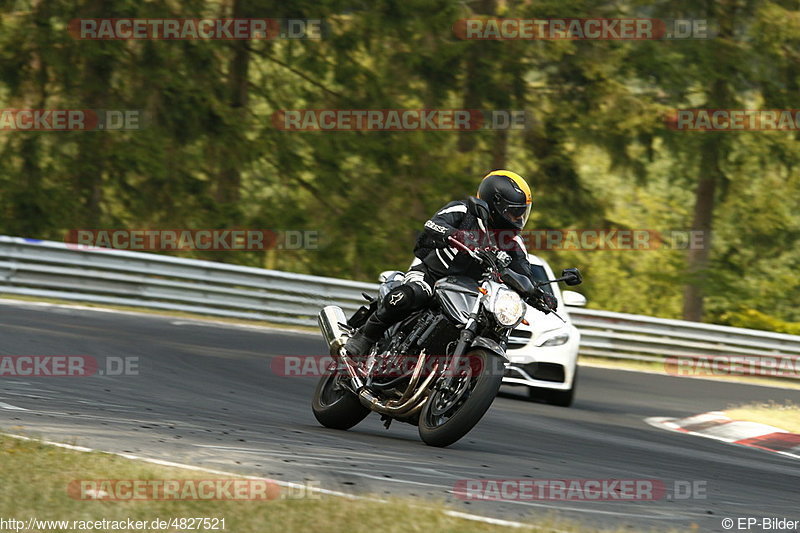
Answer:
(455, 219)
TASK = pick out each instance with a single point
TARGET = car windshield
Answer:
(540, 275)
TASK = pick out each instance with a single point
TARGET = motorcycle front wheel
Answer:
(449, 415)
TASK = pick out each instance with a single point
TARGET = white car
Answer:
(544, 354)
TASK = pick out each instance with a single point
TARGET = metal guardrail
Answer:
(58, 270)
(72, 272)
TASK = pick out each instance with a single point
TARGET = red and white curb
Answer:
(716, 425)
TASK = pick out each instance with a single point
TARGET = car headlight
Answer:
(508, 308)
(557, 340)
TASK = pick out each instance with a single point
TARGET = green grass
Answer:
(35, 477)
(659, 368)
(784, 416)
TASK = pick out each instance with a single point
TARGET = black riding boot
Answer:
(367, 335)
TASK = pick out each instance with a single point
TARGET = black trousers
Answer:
(414, 293)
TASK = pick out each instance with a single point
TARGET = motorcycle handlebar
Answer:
(461, 246)
(479, 255)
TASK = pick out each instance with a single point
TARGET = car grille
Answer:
(545, 371)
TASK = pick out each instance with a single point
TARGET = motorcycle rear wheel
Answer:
(334, 406)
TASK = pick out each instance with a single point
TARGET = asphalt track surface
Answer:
(205, 395)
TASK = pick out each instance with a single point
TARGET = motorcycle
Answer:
(439, 369)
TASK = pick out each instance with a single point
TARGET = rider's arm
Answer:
(544, 301)
(444, 224)
(519, 257)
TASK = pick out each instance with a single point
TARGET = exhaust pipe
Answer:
(369, 400)
(329, 319)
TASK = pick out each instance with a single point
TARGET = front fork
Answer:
(465, 339)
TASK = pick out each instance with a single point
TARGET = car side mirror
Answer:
(572, 276)
(573, 299)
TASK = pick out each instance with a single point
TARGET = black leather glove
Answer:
(551, 301)
(543, 301)
(485, 255)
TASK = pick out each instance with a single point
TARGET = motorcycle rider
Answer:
(508, 197)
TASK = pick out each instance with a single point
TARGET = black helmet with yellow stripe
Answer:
(509, 199)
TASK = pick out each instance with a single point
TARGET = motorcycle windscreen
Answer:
(456, 296)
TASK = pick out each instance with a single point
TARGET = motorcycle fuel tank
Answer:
(456, 295)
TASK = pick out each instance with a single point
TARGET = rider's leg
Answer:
(399, 303)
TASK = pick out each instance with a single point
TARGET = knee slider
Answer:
(398, 303)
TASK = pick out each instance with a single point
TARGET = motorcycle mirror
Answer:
(572, 276)
(518, 282)
(480, 207)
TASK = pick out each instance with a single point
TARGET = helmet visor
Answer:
(517, 214)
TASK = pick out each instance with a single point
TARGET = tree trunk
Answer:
(702, 221)
(476, 78)
(710, 174)
(499, 149)
(31, 217)
(93, 146)
(229, 178)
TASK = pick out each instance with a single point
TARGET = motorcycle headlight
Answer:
(508, 308)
